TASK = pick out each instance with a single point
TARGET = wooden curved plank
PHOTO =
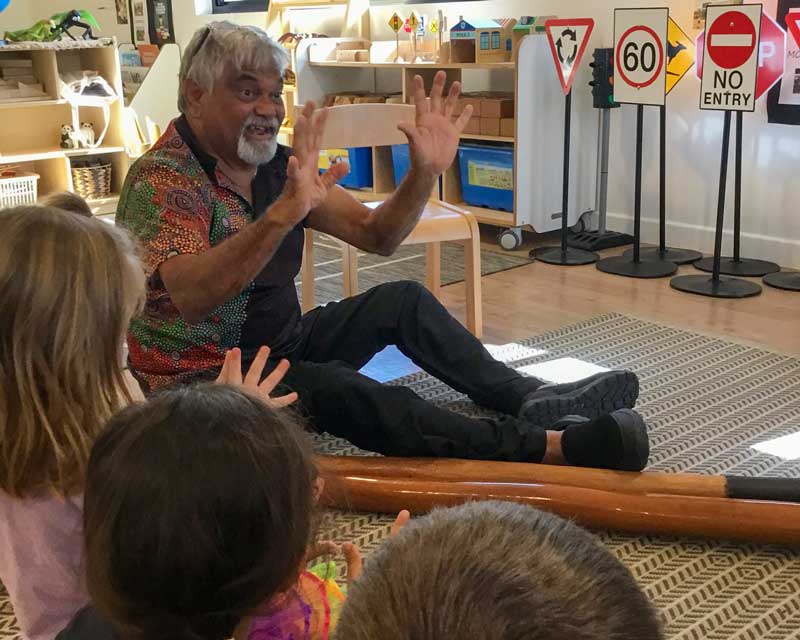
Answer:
(748, 520)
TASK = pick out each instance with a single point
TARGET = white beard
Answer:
(255, 153)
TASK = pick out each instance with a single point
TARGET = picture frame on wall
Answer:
(160, 22)
(699, 16)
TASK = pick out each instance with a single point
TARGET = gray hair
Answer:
(495, 570)
(221, 43)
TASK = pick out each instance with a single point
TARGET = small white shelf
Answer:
(28, 104)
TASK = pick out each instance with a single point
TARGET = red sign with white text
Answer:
(771, 54)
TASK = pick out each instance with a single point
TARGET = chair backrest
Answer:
(366, 125)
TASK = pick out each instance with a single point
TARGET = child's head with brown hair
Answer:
(67, 201)
(69, 287)
(198, 509)
(495, 570)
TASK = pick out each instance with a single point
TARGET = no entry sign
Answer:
(730, 58)
(640, 65)
(771, 55)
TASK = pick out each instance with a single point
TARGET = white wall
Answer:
(18, 15)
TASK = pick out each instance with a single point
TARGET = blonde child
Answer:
(69, 286)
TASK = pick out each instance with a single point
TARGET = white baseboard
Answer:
(784, 251)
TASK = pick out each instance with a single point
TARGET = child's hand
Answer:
(232, 374)
(403, 518)
(352, 557)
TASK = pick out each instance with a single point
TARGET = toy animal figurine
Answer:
(69, 138)
(75, 18)
(58, 25)
(87, 133)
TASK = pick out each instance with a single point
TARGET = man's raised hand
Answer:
(433, 137)
(305, 187)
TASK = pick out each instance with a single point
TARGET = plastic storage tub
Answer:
(487, 176)
(401, 161)
(360, 159)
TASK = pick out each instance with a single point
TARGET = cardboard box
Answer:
(469, 98)
(490, 126)
(352, 55)
(473, 126)
(507, 127)
(499, 106)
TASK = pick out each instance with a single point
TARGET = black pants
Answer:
(340, 338)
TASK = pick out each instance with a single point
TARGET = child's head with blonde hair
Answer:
(69, 286)
(67, 201)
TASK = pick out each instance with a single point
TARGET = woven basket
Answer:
(92, 182)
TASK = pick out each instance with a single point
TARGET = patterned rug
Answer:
(708, 402)
(407, 263)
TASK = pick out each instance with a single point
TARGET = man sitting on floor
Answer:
(220, 209)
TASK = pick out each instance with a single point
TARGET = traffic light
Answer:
(603, 79)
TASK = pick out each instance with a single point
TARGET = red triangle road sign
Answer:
(568, 39)
(793, 24)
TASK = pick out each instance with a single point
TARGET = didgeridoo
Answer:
(455, 470)
(748, 520)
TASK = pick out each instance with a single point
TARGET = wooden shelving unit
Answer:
(30, 131)
(322, 73)
(538, 139)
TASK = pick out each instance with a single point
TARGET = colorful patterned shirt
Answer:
(175, 201)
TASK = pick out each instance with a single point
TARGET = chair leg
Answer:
(307, 271)
(433, 268)
(472, 279)
(350, 270)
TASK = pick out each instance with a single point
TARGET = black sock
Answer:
(593, 444)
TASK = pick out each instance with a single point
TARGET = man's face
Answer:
(243, 114)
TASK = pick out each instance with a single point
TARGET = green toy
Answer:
(58, 25)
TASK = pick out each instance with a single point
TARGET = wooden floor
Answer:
(538, 297)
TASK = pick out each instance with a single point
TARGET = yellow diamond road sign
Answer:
(434, 26)
(680, 54)
(396, 23)
(413, 21)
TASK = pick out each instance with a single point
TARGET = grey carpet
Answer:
(707, 402)
(407, 263)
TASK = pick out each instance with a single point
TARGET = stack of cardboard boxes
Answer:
(492, 113)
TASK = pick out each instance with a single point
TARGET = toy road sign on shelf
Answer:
(730, 58)
(396, 23)
(680, 54)
(568, 39)
(640, 62)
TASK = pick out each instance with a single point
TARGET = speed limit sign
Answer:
(640, 55)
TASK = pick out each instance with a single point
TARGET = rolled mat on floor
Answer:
(659, 503)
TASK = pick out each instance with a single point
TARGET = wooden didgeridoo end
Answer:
(746, 520)
(455, 470)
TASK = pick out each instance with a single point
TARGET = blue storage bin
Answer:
(360, 159)
(487, 176)
(401, 160)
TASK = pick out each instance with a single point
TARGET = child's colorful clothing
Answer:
(308, 611)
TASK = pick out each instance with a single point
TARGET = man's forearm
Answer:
(395, 218)
(200, 283)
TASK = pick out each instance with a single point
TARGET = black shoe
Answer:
(615, 441)
(591, 397)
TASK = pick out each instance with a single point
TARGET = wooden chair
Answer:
(375, 125)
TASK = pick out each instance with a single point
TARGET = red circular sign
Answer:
(619, 67)
(731, 39)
